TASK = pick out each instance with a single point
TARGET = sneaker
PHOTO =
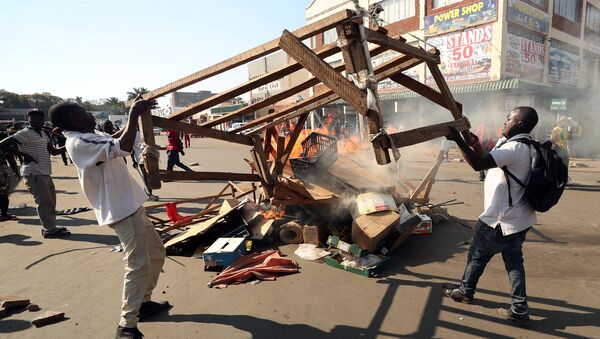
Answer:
(128, 333)
(59, 232)
(150, 308)
(153, 197)
(519, 319)
(453, 291)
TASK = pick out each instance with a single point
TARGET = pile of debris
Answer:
(315, 204)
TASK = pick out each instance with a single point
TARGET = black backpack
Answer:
(548, 178)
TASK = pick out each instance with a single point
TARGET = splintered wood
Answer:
(269, 160)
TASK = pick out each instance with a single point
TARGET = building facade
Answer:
(495, 54)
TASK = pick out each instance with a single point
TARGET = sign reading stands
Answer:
(524, 58)
(473, 14)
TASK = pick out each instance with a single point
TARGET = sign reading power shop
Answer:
(473, 14)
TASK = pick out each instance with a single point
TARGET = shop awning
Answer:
(488, 86)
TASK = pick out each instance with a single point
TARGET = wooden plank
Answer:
(268, 139)
(190, 110)
(249, 55)
(280, 148)
(428, 180)
(263, 166)
(323, 71)
(216, 176)
(444, 90)
(419, 135)
(401, 47)
(202, 131)
(422, 89)
(147, 134)
(316, 104)
(382, 71)
(277, 97)
(290, 146)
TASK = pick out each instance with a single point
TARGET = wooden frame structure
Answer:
(360, 93)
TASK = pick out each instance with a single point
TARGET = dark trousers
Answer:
(487, 242)
(173, 160)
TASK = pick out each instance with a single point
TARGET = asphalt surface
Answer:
(80, 276)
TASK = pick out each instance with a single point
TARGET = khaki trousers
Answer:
(144, 258)
(44, 194)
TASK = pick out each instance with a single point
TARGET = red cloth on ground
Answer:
(171, 209)
(266, 265)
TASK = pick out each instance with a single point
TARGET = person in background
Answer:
(560, 138)
(118, 200)
(504, 223)
(186, 140)
(6, 161)
(174, 147)
(34, 147)
(108, 127)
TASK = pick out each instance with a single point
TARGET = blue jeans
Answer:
(487, 242)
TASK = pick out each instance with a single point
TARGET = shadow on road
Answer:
(44, 258)
(13, 325)
(18, 239)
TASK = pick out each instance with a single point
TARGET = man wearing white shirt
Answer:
(507, 216)
(117, 201)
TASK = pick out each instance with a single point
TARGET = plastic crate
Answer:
(319, 153)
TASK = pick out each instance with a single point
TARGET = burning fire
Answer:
(273, 213)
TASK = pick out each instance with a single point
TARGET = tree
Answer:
(136, 91)
(114, 105)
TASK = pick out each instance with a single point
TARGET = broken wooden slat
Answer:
(249, 55)
(280, 148)
(323, 71)
(401, 47)
(263, 168)
(190, 110)
(150, 164)
(428, 180)
(419, 135)
(48, 318)
(422, 89)
(202, 131)
(216, 176)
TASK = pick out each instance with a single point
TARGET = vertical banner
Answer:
(524, 58)
(465, 56)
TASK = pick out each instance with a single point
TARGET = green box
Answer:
(353, 249)
(335, 260)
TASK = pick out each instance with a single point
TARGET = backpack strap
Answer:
(506, 175)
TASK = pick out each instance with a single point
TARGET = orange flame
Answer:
(273, 213)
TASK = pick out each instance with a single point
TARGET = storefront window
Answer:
(442, 3)
(396, 10)
(568, 9)
(525, 34)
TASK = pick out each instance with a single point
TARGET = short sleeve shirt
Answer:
(517, 157)
(36, 145)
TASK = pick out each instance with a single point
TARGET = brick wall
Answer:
(405, 25)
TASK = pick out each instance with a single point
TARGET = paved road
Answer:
(81, 277)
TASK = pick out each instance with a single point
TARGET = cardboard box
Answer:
(369, 231)
(368, 203)
(223, 252)
(425, 226)
(353, 249)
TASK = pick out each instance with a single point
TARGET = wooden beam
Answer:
(323, 71)
(276, 98)
(324, 100)
(188, 111)
(263, 167)
(428, 180)
(280, 163)
(216, 176)
(382, 71)
(249, 55)
(422, 89)
(401, 47)
(201, 131)
(419, 135)
(147, 134)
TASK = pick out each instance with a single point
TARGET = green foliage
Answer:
(136, 90)
(41, 101)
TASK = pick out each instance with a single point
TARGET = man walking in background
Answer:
(174, 147)
(34, 147)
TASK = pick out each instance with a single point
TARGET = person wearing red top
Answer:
(186, 140)
(174, 147)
